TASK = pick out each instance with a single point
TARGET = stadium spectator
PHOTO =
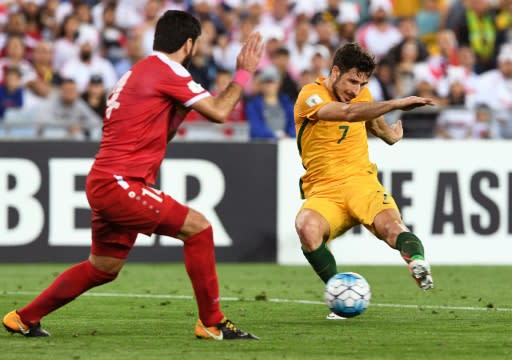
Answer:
(155, 97)
(30, 9)
(477, 29)
(409, 30)
(321, 61)
(224, 52)
(15, 57)
(382, 83)
(96, 96)
(17, 26)
(428, 20)
(380, 34)
(42, 61)
(425, 84)
(288, 73)
(464, 73)
(133, 53)
(455, 122)
(305, 77)
(348, 20)
(48, 20)
(495, 90)
(299, 45)
(447, 54)
(228, 17)
(130, 13)
(181, 5)
(279, 16)
(403, 9)
(326, 34)
(205, 10)
(65, 46)
(65, 115)
(363, 7)
(504, 19)
(88, 62)
(146, 30)
(405, 68)
(328, 14)
(456, 92)
(11, 91)
(298, 25)
(112, 37)
(273, 37)
(270, 113)
(203, 67)
(484, 127)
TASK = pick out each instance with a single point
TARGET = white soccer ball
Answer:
(347, 294)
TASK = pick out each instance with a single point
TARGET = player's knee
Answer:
(106, 264)
(391, 230)
(194, 224)
(310, 233)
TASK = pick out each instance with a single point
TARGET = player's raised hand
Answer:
(413, 102)
(250, 54)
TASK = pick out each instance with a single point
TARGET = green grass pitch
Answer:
(148, 313)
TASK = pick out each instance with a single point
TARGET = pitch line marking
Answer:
(274, 300)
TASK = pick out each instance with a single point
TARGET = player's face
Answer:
(346, 86)
(188, 58)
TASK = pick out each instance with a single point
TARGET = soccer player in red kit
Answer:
(143, 113)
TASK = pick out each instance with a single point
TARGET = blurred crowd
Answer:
(59, 59)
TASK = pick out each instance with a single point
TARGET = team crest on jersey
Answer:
(195, 87)
(314, 100)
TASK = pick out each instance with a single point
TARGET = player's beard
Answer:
(186, 62)
(188, 59)
(333, 89)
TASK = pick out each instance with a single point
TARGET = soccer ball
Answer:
(347, 294)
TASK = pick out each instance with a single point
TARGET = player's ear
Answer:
(335, 71)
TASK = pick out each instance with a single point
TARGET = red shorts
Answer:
(123, 207)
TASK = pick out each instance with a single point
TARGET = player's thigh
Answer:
(367, 198)
(123, 207)
(335, 214)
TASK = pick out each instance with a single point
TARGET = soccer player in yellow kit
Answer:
(340, 185)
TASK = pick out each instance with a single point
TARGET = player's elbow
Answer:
(219, 117)
(351, 116)
(348, 113)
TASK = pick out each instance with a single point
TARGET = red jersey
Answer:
(139, 115)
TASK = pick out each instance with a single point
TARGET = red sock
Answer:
(200, 264)
(67, 286)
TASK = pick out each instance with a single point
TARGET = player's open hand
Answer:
(249, 57)
(413, 102)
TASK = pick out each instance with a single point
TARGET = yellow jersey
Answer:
(331, 151)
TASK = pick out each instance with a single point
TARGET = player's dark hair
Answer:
(173, 29)
(351, 56)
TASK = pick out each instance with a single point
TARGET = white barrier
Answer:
(456, 195)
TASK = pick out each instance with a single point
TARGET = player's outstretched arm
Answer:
(217, 108)
(389, 133)
(354, 112)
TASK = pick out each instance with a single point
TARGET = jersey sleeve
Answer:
(183, 89)
(310, 100)
(365, 96)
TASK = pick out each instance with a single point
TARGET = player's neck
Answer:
(175, 57)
